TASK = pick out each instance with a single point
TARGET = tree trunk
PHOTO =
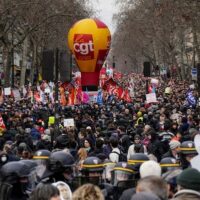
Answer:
(196, 42)
(34, 62)
(24, 63)
(7, 68)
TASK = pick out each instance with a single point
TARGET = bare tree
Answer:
(37, 23)
(158, 31)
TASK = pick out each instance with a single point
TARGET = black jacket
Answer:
(127, 194)
(156, 149)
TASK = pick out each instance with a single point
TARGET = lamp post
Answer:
(113, 64)
(56, 74)
(12, 62)
(125, 63)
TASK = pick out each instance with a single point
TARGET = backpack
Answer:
(122, 156)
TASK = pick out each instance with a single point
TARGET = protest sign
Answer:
(69, 122)
(154, 81)
(47, 90)
(7, 91)
(151, 98)
(16, 95)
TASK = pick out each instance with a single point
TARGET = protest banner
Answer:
(151, 98)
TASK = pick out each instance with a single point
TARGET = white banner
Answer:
(7, 91)
(69, 122)
(154, 81)
(151, 98)
(16, 95)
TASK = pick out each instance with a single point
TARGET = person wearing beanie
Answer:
(150, 168)
(188, 185)
(173, 151)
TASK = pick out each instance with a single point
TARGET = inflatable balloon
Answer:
(89, 41)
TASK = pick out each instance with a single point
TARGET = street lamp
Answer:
(113, 64)
(12, 60)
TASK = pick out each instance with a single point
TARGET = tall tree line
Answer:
(30, 26)
(163, 32)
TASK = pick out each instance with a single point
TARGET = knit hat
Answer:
(47, 132)
(46, 137)
(9, 142)
(193, 131)
(189, 179)
(145, 196)
(174, 144)
(150, 168)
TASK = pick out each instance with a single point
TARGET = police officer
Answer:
(14, 181)
(136, 160)
(123, 178)
(41, 157)
(60, 168)
(92, 170)
(107, 172)
(32, 178)
(169, 164)
(187, 152)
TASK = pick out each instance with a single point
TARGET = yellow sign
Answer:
(51, 120)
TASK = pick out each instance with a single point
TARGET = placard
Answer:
(151, 98)
(51, 120)
(69, 122)
(7, 91)
(47, 90)
(154, 81)
(16, 95)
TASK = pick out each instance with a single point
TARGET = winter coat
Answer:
(156, 149)
(168, 154)
(187, 194)
(35, 134)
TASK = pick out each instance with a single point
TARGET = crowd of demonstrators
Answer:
(116, 150)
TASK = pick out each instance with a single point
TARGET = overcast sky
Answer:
(105, 9)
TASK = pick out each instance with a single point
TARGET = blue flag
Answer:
(100, 97)
(191, 99)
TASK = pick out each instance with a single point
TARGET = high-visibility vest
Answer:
(139, 119)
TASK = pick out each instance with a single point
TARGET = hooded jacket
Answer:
(186, 194)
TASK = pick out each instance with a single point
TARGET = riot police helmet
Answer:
(92, 164)
(187, 151)
(169, 164)
(137, 159)
(59, 161)
(123, 172)
(92, 169)
(16, 175)
(188, 148)
(32, 178)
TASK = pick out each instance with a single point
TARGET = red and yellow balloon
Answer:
(89, 40)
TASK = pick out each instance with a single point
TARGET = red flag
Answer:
(71, 97)
(37, 96)
(127, 96)
(63, 100)
(78, 97)
(2, 125)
